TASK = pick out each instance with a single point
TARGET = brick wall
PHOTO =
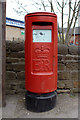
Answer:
(68, 68)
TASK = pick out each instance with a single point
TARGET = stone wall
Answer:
(68, 68)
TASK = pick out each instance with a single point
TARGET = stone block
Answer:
(79, 50)
(74, 75)
(78, 64)
(61, 67)
(71, 66)
(21, 75)
(73, 50)
(15, 67)
(65, 84)
(8, 53)
(68, 57)
(10, 75)
(76, 84)
(60, 84)
(76, 57)
(10, 92)
(62, 49)
(13, 86)
(22, 85)
(68, 84)
(64, 75)
(61, 58)
(12, 60)
(8, 45)
(16, 54)
(18, 67)
(16, 46)
(79, 75)
(9, 67)
(22, 60)
(63, 91)
(76, 90)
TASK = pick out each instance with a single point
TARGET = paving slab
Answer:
(66, 107)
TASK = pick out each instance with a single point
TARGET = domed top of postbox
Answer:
(42, 14)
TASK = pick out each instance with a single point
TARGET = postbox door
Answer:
(42, 50)
(41, 54)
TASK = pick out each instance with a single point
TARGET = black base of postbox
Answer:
(40, 102)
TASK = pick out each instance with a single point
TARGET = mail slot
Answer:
(40, 60)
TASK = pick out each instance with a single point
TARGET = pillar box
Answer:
(40, 61)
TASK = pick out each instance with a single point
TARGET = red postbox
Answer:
(40, 60)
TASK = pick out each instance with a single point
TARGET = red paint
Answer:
(40, 57)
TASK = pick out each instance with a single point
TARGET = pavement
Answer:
(66, 107)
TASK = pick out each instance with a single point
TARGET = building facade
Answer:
(14, 29)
